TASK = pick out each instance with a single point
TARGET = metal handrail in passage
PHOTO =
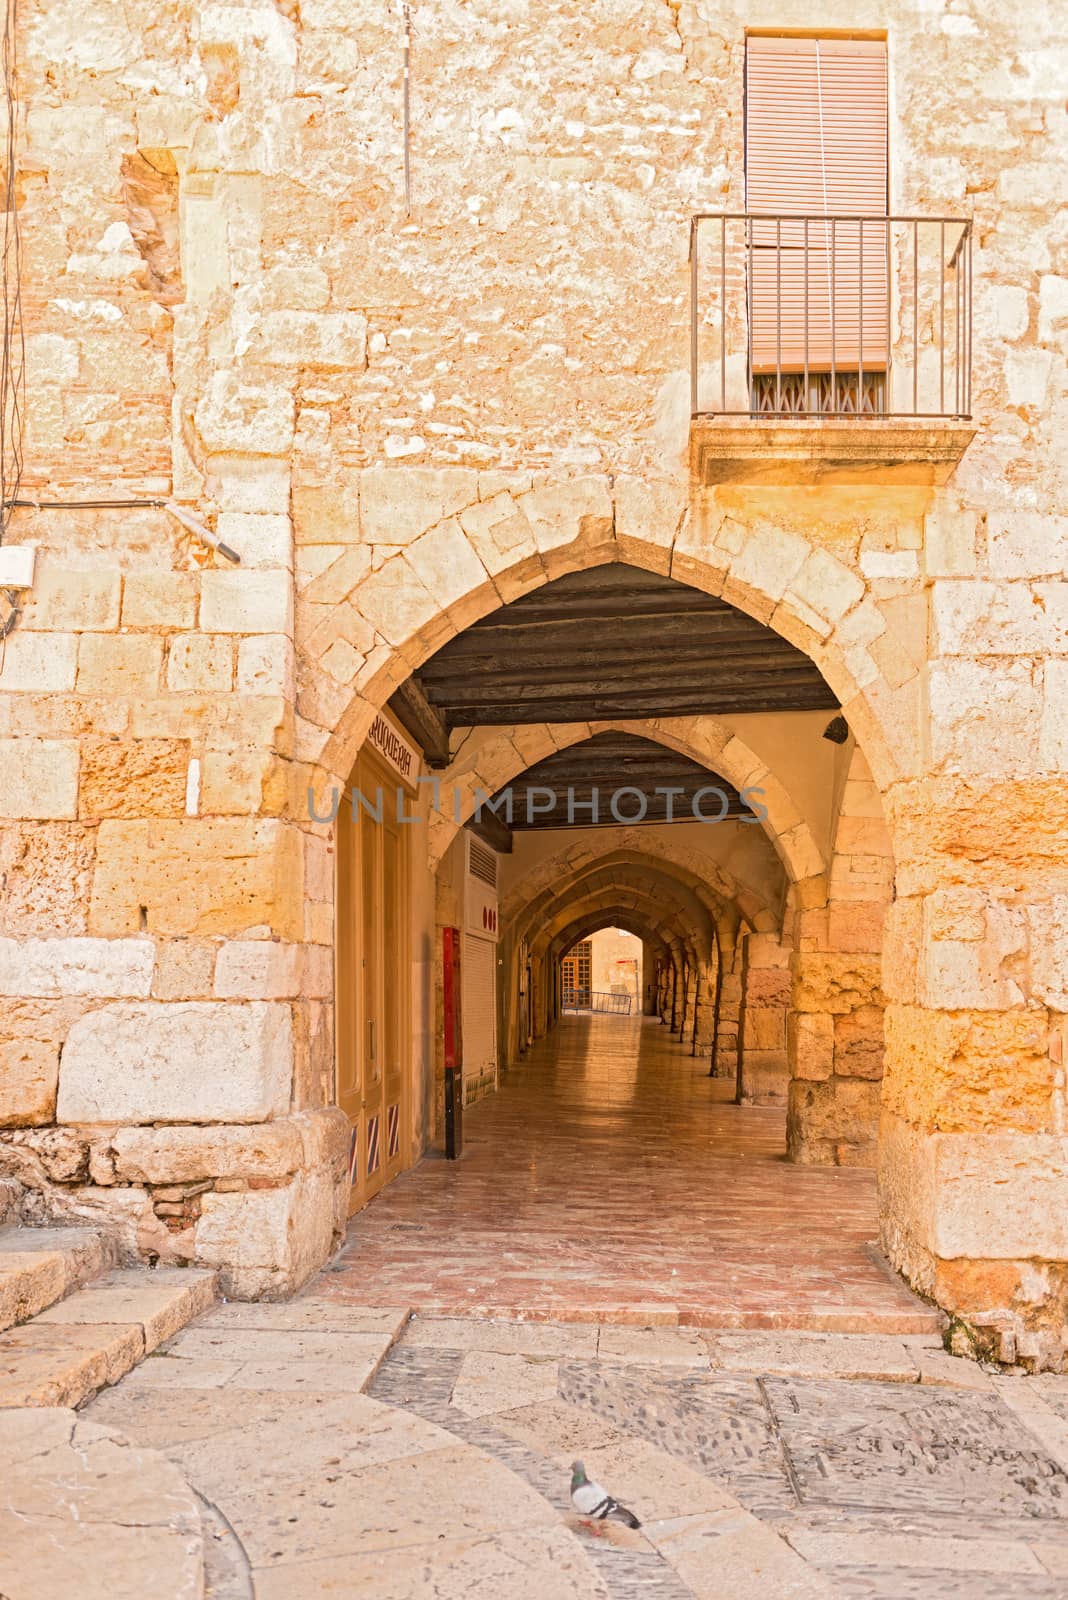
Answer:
(858, 316)
(596, 1000)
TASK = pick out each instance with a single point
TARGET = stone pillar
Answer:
(706, 987)
(973, 1157)
(835, 1036)
(764, 1072)
(729, 1014)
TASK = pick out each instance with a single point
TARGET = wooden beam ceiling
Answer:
(615, 641)
(559, 791)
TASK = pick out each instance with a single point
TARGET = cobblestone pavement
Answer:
(344, 1451)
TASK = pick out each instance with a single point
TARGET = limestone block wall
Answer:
(400, 421)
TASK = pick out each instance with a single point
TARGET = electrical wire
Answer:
(13, 339)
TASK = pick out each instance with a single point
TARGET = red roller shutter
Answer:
(816, 144)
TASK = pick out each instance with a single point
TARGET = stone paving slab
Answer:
(930, 1554)
(547, 1565)
(653, 1346)
(55, 1365)
(814, 1355)
(530, 1338)
(161, 1301)
(386, 1506)
(310, 1314)
(554, 1428)
(730, 1553)
(896, 1447)
(207, 1342)
(489, 1381)
(85, 1513)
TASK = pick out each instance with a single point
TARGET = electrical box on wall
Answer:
(480, 890)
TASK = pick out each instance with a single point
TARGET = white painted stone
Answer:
(191, 1061)
(112, 968)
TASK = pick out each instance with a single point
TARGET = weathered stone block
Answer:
(46, 870)
(266, 666)
(184, 969)
(192, 1061)
(73, 600)
(262, 541)
(133, 778)
(267, 1242)
(397, 504)
(251, 419)
(39, 663)
(58, 967)
(190, 1154)
(200, 663)
(1001, 1196)
(247, 602)
(330, 340)
(201, 875)
(258, 969)
(38, 778)
(112, 664)
(31, 1034)
(160, 600)
(968, 1070)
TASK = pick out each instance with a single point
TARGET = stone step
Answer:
(38, 1266)
(94, 1336)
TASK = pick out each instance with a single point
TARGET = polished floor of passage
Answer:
(611, 1179)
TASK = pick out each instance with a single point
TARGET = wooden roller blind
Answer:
(816, 145)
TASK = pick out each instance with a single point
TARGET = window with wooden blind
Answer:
(816, 149)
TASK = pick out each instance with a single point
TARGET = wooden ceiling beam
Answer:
(423, 721)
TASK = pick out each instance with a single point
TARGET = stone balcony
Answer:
(826, 450)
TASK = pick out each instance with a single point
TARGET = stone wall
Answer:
(399, 421)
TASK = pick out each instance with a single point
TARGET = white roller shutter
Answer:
(479, 1009)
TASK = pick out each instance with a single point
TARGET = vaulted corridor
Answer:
(611, 1178)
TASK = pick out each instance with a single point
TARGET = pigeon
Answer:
(593, 1502)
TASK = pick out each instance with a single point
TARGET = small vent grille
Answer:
(482, 863)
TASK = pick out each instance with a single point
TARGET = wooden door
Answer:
(372, 981)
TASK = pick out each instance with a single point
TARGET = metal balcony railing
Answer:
(596, 1000)
(848, 316)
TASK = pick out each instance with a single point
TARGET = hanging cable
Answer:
(12, 341)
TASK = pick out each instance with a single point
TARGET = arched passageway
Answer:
(699, 806)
